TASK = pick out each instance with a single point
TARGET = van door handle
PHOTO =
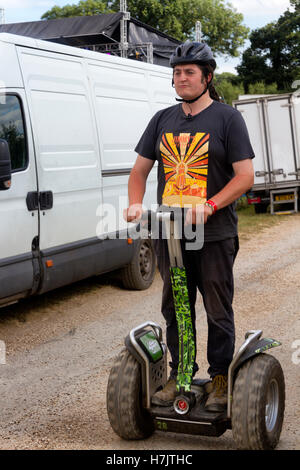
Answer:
(278, 171)
(32, 201)
(42, 200)
(46, 200)
(296, 173)
(261, 173)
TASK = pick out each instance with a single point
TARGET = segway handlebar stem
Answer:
(173, 237)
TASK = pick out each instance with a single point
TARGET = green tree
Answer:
(83, 8)
(274, 53)
(222, 26)
(261, 88)
(228, 86)
(295, 3)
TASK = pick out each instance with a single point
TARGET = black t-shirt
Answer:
(195, 156)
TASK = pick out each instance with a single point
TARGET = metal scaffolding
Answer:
(198, 30)
(140, 51)
(123, 28)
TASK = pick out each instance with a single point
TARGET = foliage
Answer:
(260, 88)
(222, 26)
(228, 86)
(83, 8)
(274, 53)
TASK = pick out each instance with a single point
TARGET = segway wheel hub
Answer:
(181, 405)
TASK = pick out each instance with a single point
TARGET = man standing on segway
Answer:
(204, 158)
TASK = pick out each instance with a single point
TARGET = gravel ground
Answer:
(60, 348)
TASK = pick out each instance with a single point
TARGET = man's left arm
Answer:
(242, 181)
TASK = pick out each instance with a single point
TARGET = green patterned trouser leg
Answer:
(185, 329)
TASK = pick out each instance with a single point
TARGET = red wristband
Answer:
(213, 205)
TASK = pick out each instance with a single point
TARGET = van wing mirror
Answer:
(5, 165)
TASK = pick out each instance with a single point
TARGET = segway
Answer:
(256, 388)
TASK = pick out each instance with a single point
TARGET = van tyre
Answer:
(258, 403)
(139, 274)
(124, 399)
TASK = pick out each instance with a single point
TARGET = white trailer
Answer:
(273, 124)
(71, 118)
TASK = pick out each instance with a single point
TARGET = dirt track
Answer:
(60, 347)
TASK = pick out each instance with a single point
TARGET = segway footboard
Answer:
(197, 421)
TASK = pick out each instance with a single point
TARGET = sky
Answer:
(257, 13)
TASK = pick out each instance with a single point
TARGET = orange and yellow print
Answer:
(185, 161)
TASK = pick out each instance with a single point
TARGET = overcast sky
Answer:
(257, 13)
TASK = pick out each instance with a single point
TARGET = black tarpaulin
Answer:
(142, 33)
(163, 45)
(66, 27)
(96, 30)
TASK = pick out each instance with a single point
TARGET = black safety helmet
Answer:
(193, 53)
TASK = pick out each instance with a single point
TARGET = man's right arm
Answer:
(137, 187)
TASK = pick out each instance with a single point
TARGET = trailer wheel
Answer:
(123, 399)
(260, 208)
(139, 273)
(258, 403)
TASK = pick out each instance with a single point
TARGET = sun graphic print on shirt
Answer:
(185, 162)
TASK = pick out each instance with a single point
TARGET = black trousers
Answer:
(209, 270)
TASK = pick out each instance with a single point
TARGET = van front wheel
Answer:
(139, 273)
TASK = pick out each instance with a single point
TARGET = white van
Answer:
(69, 121)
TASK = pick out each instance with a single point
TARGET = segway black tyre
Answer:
(124, 399)
(258, 404)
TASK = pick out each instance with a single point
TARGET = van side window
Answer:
(12, 130)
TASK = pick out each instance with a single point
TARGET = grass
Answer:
(251, 223)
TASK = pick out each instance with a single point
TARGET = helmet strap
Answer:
(182, 100)
(193, 100)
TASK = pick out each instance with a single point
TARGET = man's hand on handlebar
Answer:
(198, 215)
(195, 215)
(133, 213)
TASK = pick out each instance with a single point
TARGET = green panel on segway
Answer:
(258, 347)
(185, 328)
(265, 344)
(152, 346)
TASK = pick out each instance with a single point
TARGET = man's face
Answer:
(188, 80)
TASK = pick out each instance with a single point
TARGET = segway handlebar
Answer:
(156, 328)
(165, 213)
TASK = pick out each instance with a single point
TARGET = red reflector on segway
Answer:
(182, 405)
